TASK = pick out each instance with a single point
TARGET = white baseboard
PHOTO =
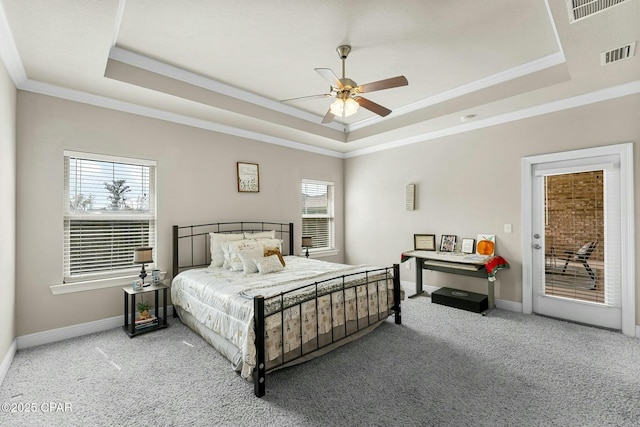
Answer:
(7, 359)
(504, 304)
(59, 334)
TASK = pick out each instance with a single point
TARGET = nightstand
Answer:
(130, 327)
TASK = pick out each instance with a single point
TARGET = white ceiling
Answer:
(225, 65)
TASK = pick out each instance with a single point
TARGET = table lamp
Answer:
(307, 242)
(143, 255)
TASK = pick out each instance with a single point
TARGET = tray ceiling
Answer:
(226, 65)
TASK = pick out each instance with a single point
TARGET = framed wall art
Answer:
(248, 178)
(448, 243)
(424, 242)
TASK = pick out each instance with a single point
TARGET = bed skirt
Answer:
(234, 354)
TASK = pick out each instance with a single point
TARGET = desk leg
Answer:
(491, 297)
(419, 290)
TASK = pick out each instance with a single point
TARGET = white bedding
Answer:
(222, 301)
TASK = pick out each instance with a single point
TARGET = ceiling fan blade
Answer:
(383, 84)
(323, 95)
(330, 76)
(372, 106)
(328, 118)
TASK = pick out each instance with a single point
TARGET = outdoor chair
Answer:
(582, 256)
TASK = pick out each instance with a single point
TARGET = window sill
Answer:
(322, 253)
(90, 285)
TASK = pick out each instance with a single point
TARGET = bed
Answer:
(273, 310)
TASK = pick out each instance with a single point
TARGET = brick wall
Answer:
(574, 212)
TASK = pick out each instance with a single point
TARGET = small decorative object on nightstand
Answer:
(143, 256)
(307, 242)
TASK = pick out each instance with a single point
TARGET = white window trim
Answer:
(329, 251)
(125, 278)
(90, 285)
(321, 253)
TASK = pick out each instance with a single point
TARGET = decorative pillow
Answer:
(274, 251)
(269, 264)
(231, 250)
(261, 235)
(217, 254)
(271, 243)
(248, 257)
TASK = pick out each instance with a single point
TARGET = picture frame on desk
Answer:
(467, 246)
(424, 242)
(448, 243)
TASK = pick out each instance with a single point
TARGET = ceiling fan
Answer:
(347, 92)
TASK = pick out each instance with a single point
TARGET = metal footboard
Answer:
(345, 329)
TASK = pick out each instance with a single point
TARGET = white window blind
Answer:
(317, 213)
(109, 209)
(591, 214)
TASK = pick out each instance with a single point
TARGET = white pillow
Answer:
(217, 254)
(249, 258)
(269, 264)
(261, 235)
(231, 252)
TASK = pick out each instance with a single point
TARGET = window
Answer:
(109, 209)
(317, 213)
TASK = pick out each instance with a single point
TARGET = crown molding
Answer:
(158, 67)
(9, 52)
(466, 89)
(613, 92)
(128, 107)
(619, 91)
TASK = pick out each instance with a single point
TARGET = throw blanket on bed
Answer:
(222, 301)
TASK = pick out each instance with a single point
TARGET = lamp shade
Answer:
(307, 242)
(143, 255)
(344, 107)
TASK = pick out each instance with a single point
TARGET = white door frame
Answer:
(625, 152)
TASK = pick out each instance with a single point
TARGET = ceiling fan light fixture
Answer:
(350, 107)
(344, 107)
(337, 107)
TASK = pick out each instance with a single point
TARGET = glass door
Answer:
(576, 256)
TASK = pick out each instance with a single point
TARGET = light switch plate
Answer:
(507, 228)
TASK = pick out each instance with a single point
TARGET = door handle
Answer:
(537, 246)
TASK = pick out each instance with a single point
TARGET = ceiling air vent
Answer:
(580, 9)
(618, 54)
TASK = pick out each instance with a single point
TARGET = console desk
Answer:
(481, 266)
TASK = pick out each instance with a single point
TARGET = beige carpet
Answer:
(442, 367)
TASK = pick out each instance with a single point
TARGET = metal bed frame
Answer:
(195, 240)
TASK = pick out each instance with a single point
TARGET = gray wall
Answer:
(196, 182)
(7, 210)
(470, 183)
(467, 184)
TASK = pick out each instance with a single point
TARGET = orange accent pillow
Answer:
(274, 251)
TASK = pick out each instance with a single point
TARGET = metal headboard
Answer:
(191, 243)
